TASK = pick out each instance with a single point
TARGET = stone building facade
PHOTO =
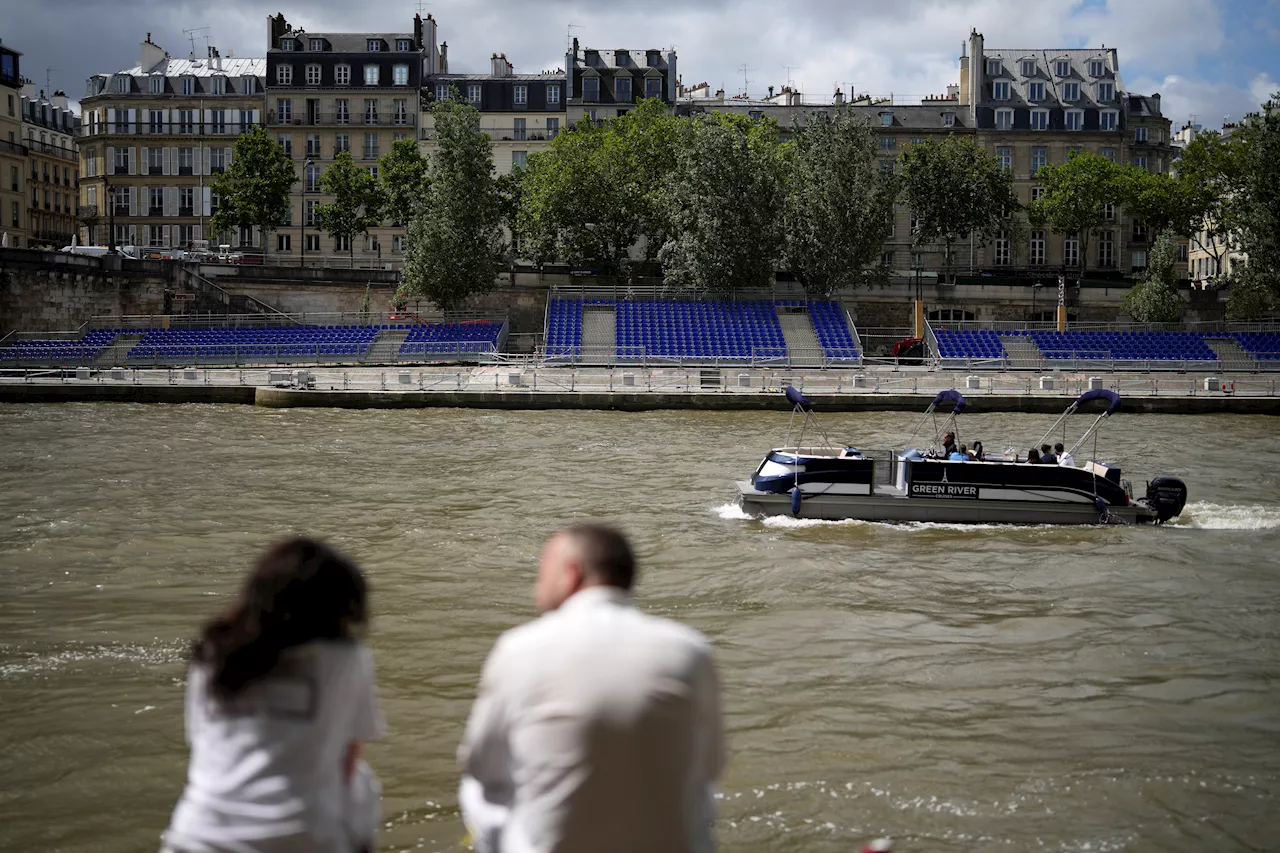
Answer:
(607, 83)
(152, 136)
(50, 129)
(13, 154)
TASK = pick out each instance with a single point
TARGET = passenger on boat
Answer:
(1064, 458)
(960, 455)
(1047, 455)
(1033, 457)
(978, 453)
(949, 444)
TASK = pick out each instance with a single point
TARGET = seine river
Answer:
(954, 688)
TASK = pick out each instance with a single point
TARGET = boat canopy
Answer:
(798, 399)
(951, 395)
(1111, 397)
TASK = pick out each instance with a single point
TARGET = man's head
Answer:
(1044, 448)
(582, 556)
(1057, 448)
(948, 438)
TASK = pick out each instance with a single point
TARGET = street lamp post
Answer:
(302, 215)
(109, 193)
(918, 309)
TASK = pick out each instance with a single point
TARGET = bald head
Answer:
(582, 556)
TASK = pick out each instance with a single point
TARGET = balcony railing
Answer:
(87, 211)
(228, 128)
(54, 150)
(7, 147)
(353, 118)
(509, 134)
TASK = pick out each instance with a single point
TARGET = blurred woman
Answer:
(280, 699)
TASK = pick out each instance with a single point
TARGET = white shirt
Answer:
(1067, 459)
(597, 728)
(265, 771)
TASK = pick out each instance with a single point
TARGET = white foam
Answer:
(732, 512)
(1210, 516)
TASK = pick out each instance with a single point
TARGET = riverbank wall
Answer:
(623, 401)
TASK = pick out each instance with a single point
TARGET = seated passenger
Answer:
(1047, 456)
(977, 453)
(1033, 457)
(960, 455)
(948, 444)
(1064, 458)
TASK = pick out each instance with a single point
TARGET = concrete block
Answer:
(1212, 383)
(515, 378)
(117, 373)
(628, 379)
(1047, 383)
(404, 377)
(744, 380)
(973, 382)
(860, 380)
(82, 373)
(1097, 383)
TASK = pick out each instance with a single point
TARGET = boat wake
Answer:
(735, 512)
(1202, 515)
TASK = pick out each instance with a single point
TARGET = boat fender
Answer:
(1101, 506)
(795, 501)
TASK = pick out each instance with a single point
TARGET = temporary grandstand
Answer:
(262, 340)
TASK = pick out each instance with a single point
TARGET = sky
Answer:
(1208, 59)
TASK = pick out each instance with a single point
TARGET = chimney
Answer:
(770, 91)
(495, 66)
(276, 27)
(60, 100)
(1155, 103)
(839, 96)
(953, 91)
(150, 54)
(575, 48)
(1113, 60)
(972, 71)
(444, 57)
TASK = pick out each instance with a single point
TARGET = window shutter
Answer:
(145, 155)
(166, 237)
(133, 201)
(233, 123)
(226, 157)
(208, 119)
(203, 154)
(206, 202)
(133, 160)
(133, 235)
(133, 121)
(195, 231)
(110, 165)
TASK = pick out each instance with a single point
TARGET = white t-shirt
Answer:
(266, 767)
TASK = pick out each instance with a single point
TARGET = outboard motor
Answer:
(1167, 496)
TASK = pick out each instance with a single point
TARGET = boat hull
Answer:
(891, 505)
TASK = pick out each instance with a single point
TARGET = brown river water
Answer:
(982, 688)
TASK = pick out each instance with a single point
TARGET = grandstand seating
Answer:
(256, 342)
(471, 336)
(1127, 345)
(1261, 345)
(969, 343)
(702, 328)
(75, 351)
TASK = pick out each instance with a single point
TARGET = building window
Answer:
(404, 44)
(284, 110)
(948, 119)
(886, 119)
(1106, 91)
(373, 171)
(400, 111)
(886, 258)
(285, 141)
(442, 91)
(374, 45)
(370, 111)
(518, 132)
(1037, 248)
(217, 121)
(342, 244)
(122, 161)
(1062, 68)
(1003, 255)
(342, 111)
(1107, 120)
(155, 201)
(155, 161)
(121, 84)
(155, 85)
(622, 89)
(1070, 92)
(1095, 68)
(519, 159)
(591, 89)
(372, 74)
(1000, 90)
(342, 75)
(397, 243)
(993, 67)
(1028, 68)
(186, 201)
(521, 94)
(1039, 119)
(1109, 153)
(218, 156)
(1074, 119)
(284, 75)
(283, 242)
(309, 207)
(653, 87)
(1140, 161)
(1004, 119)
(1139, 259)
(553, 128)
(1035, 92)
(315, 44)
(219, 84)
(155, 121)
(248, 84)
(1106, 249)
(312, 241)
(1036, 193)
(370, 146)
(1004, 156)
(186, 159)
(473, 93)
(1139, 134)
(553, 93)
(1071, 252)
(400, 75)
(287, 44)
(313, 145)
(313, 176)
(313, 75)
(341, 142)
(888, 142)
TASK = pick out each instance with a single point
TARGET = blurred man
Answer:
(597, 727)
(1064, 458)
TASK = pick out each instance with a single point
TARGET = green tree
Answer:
(1155, 299)
(838, 206)
(1161, 202)
(1259, 198)
(254, 190)
(1214, 167)
(955, 190)
(723, 205)
(455, 241)
(1075, 195)
(354, 209)
(510, 188)
(402, 181)
(592, 197)
(1250, 296)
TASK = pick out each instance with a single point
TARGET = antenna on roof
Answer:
(191, 34)
(568, 36)
(787, 68)
(746, 83)
(421, 7)
(48, 78)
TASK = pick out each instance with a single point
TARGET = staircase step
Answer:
(1022, 351)
(803, 346)
(117, 351)
(386, 346)
(599, 333)
(1231, 354)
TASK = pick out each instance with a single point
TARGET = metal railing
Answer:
(821, 358)
(279, 318)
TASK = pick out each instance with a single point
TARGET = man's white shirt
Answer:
(597, 727)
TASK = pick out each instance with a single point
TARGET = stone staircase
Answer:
(115, 353)
(802, 341)
(599, 332)
(1022, 351)
(385, 348)
(1231, 354)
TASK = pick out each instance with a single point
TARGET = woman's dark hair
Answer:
(1033, 455)
(300, 590)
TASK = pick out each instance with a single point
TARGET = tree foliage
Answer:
(1075, 194)
(1259, 201)
(722, 204)
(254, 190)
(593, 195)
(1160, 201)
(1250, 295)
(402, 180)
(838, 206)
(455, 243)
(955, 189)
(355, 205)
(1155, 299)
(1213, 167)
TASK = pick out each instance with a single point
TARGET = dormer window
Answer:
(155, 85)
(1062, 68)
(1000, 90)
(1035, 92)
(288, 44)
(886, 119)
(313, 75)
(404, 44)
(993, 67)
(1028, 68)
(1096, 67)
(948, 119)
(188, 85)
(284, 75)
(121, 84)
(219, 85)
(247, 86)
(1070, 91)
(315, 44)
(375, 45)
(1106, 91)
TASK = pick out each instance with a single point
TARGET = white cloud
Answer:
(1183, 98)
